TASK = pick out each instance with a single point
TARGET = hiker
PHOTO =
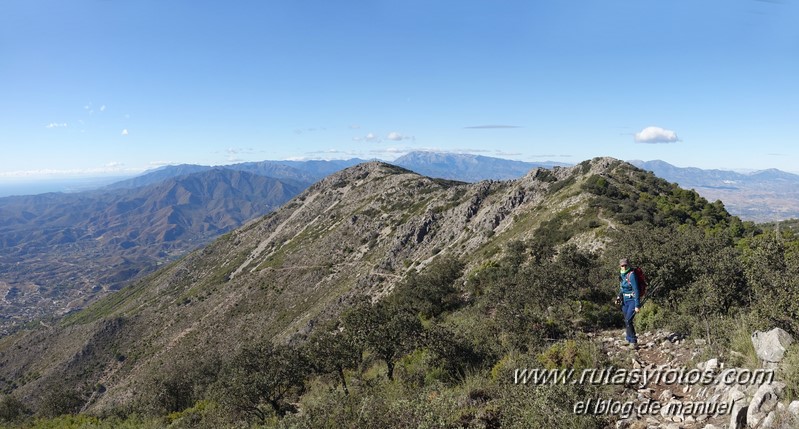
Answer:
(629, 298)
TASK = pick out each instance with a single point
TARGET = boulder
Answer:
(764, 401)
(711, 365)
(793, 408)
(768, 422)
(738, 417)
(736, 396)
(770, 346)
(739, 408)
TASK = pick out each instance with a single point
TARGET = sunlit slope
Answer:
(356, 232)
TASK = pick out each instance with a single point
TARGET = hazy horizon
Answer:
(25, 186)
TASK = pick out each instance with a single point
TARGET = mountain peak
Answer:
(358, 232)
(467, 167)
(358, 172)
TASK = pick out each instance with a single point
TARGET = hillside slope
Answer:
(467, 167)
(760, 196)
(61, 250)
(359, 231)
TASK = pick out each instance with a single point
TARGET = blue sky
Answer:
(121, 86)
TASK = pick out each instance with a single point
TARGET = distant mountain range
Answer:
(467, 167)
(59, 251)
(361, 231)
(452, 166)
(760, 196)
(302, 173)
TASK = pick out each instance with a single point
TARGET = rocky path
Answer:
(671, 383)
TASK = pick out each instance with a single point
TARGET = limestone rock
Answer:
(793, 408)
(739, 408)
(738, 417)
(770, 421)
(764, 401)
(770, 346)
(624, 424)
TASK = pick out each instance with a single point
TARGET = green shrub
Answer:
(593, 316)
(650, 318)
(12, 409)
(571, 354)
(60, 400)
(547, 406)
(741, 344)
(789, 370)
(419, 369)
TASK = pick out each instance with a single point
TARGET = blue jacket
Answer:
(628, 285)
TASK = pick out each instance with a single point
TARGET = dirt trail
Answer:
(665, 357)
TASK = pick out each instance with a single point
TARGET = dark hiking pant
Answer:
(629, 312)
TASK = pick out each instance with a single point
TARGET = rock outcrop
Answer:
(729, 397)
(770, 346)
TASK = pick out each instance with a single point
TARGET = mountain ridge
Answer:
(99, 240)
(359, 231)
(762, 196)
(468, 167)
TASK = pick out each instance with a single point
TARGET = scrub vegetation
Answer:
(441, 347)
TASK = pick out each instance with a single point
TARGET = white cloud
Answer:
(56, 125)
(160, 163)
(327, 154)
(656, 135)
(395, 136)
(393, 152)
(102, 108)
(241, 150)
(374, 138)
(115, 164)
(125, 132)
(503, 153)
(396, 150)
(369, 138)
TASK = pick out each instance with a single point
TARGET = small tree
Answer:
(389, 331)
(433, 291)
(259, 375)
(178, 383)
(395, 336)
(60, 400)
(11, 409)
(455, 353)
(333, 352)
